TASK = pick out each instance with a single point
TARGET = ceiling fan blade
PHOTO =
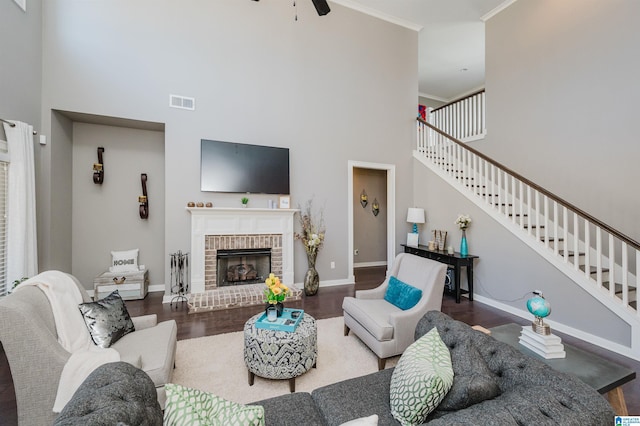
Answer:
(322, 7)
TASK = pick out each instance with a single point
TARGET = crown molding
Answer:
(496, 10)
(378, 14)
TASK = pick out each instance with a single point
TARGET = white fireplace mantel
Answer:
(238, 221)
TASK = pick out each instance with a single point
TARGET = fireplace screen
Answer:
(243, 266)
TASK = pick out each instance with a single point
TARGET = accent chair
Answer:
(384, 327)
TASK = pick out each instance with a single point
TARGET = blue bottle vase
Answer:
(464, 249)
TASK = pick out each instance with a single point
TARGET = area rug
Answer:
(216, 364)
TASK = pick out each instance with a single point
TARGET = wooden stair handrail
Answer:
(628, 240)
(470, 95)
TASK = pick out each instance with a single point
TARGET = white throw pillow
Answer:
(124, 261)
(363, 421)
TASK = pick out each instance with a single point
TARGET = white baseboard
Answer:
(157, 287)
(331, 283)
(369, 264)
(152, 288)
(579, 334)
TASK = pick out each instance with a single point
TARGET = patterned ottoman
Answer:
(279, 354)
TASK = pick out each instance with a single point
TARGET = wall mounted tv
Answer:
(236, 167)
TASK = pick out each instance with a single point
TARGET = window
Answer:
(4, 177)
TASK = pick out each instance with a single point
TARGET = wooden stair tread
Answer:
(570, 253)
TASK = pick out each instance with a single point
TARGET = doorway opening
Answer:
(371, 224)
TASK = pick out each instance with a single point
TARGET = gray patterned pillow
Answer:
(421, 379)
(473, 381)
(107, 319)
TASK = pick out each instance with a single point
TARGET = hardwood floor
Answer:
(327, 304)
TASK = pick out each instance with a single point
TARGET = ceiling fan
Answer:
(322, 7)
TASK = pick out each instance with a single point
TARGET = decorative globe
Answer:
(538, 306)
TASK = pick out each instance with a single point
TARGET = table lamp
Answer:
(414, 215)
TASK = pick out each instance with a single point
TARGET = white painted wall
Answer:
(332, 89)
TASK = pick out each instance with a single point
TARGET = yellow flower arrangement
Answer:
(276, 291)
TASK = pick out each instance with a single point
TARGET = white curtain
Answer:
(22, 249)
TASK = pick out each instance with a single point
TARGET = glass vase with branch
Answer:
(312, 237)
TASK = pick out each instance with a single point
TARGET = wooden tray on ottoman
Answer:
(130, 285)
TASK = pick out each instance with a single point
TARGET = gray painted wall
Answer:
(562, 88)
(428, 102)
(21, 60)
(369, 231)
(547, 64)
(334, 88)
(106, 217)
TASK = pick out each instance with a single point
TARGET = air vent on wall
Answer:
(182, 102)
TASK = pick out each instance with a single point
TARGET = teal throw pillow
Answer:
(192, 407)
(401, 294)
(421, 379)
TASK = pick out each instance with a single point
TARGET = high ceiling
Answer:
(451, 41)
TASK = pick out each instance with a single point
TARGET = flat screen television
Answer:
(236, 167)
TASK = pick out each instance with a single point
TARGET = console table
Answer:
(456, 260)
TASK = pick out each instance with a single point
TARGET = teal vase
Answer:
(464, 248)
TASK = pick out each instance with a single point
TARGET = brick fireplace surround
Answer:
(214, 229)
(213, 243)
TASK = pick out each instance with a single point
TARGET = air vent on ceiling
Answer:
(182, 102)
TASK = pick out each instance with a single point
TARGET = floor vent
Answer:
(182, 102)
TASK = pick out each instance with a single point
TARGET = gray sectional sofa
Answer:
(494, 384)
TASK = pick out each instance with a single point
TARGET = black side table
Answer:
(456, 260)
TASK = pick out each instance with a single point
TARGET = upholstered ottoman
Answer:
(279, 354)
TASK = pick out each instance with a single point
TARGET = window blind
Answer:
(4, 177)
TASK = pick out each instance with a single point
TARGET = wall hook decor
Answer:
(375, 207)
(143, 199)
(98, 168)
(364, 199)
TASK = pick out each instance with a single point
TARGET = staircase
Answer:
(602, 260)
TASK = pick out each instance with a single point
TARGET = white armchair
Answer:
(29, 336)
(386, 329)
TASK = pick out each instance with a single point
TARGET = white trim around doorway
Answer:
(391, 214)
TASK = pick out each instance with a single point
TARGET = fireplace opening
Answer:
(243, 266)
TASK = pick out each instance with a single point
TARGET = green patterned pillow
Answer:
(421, 379)
(192, 407)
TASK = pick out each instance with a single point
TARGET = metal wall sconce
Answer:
(98, 168)
(143, 200)
(364, 199)
(375, 207)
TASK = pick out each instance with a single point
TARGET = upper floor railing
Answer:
(463, 118)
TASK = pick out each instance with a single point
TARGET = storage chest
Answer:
(130, 285)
